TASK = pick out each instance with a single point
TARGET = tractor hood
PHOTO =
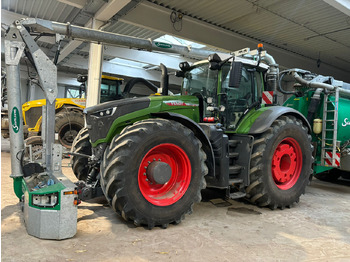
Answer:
(100, 118)
(106, 120)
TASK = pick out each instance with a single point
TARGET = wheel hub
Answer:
(286, 163)
(164, 174)
(159, 172)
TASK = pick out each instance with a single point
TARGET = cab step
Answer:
(234, 155)
(234, 143)
(234, 170)
(236, 195)
(233, 181)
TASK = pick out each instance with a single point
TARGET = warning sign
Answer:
(267, 97)
(329, 158)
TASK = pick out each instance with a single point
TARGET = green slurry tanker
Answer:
(326, 104)
(151, 156)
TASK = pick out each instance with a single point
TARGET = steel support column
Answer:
(94, 71)
(13, 51)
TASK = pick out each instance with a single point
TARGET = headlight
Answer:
(47, 200)
(105, 112)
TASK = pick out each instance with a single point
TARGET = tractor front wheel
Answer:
(281, 164)
(81, 145)
(153, 172)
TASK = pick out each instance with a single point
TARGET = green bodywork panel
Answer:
(248, 120)
(302, 103)
(17, 186)
(183, 105)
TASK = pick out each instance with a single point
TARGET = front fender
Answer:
(260, 120)
(199, 133)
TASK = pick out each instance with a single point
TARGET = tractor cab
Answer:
(227, 89)
(110, 87)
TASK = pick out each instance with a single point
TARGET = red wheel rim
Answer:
(286, 164)
(170, 192)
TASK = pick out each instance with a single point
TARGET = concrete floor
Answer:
(316, 229)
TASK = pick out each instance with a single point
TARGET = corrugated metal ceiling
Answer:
(45, 9)
(310, 28)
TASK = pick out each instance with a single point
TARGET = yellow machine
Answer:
(69, 111)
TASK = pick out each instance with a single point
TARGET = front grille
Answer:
(32, 116)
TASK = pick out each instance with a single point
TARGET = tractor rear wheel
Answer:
(81, 145)
(281, 164)
(153, 172)
(68, 124)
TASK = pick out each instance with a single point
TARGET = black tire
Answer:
(68, 124)
(81, 145)
(345, 174)
(329, 176)
(281, 164)
(37, 146)
(124, 181)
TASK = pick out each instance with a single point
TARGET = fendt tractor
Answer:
(151, 156)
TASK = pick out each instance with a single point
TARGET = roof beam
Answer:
(105, 13)
(199, 31)
(68, 48)
(76, 3)
(151, 58)
(342, 5)
(108, 10)
(110, 68)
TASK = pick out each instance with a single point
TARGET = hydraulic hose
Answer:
(316, 98)
(272, 76)
(279, 86)
(311, 84)
(164, 82)
(314, 103)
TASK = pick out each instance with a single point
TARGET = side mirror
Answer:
(214, 61)
(184, 66)
(235, 74)
(82, 78)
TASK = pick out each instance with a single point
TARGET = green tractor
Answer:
(152, 156)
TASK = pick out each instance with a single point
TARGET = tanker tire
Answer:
(286, 141)
(345, 174)
(81, 145)
(329, 176)
(123, 178)
(68, 124)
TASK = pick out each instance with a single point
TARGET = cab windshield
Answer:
(200, 80)
(227, 104)
(110, 90)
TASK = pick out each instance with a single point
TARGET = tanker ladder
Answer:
(329, 154)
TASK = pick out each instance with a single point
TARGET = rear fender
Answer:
(269, 115)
